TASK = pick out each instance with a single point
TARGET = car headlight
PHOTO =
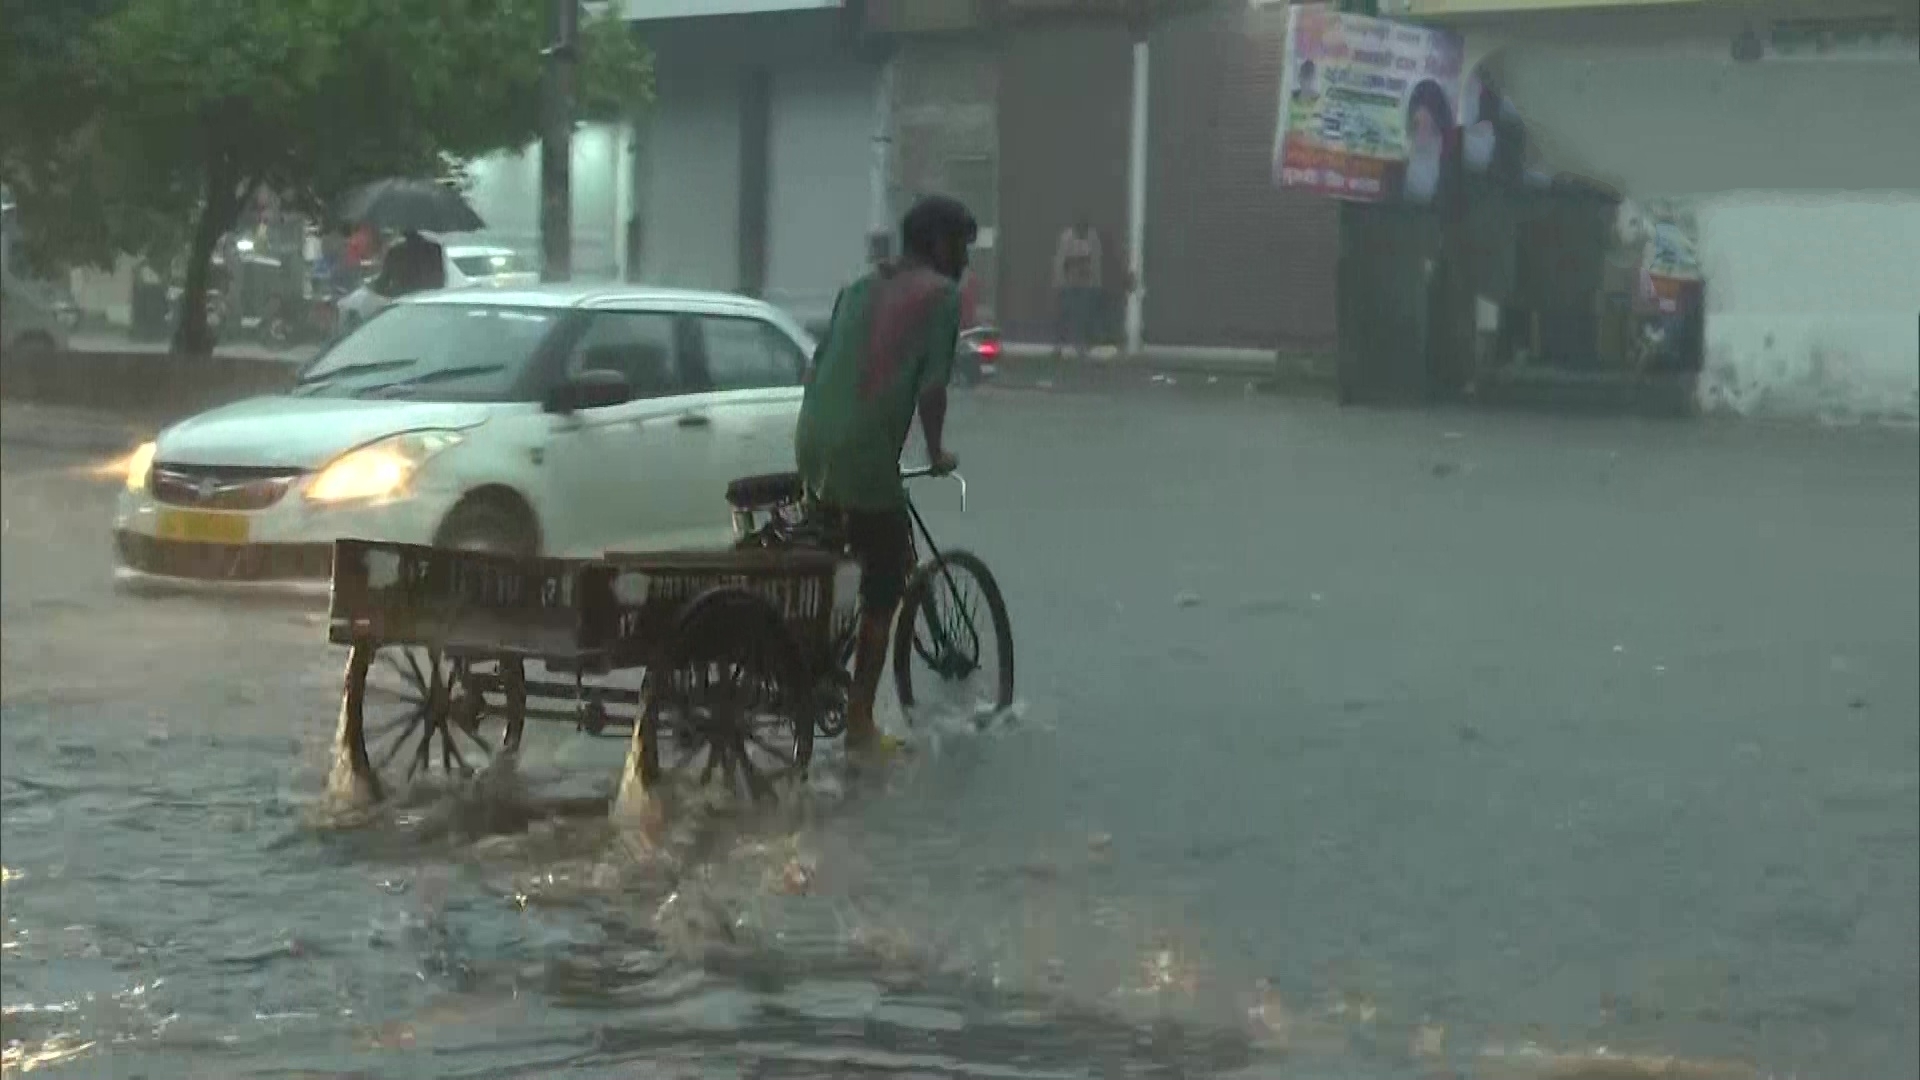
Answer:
(140, 466)
(378, 470)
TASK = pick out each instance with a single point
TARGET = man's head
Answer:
(937, 231)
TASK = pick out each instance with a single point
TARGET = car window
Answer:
(433, 352)
(637, 344)
(748, 353)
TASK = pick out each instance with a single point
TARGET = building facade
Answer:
(1151, 120)
(754, 169)
(1772, 128)
(785, 135)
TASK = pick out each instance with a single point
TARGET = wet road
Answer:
(1351, 745)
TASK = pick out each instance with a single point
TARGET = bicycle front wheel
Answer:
(954, 640)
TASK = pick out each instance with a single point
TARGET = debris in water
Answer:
(1429, 1042)
(1534, 1062)
(1100, 843)
(796, 877)
(1187, 599)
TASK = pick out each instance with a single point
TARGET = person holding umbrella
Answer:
(415, 264)
(413, 207)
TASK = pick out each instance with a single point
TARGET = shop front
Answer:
(1752, 212)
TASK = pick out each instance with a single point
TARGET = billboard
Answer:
(1367, 106)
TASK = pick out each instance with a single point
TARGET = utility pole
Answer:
(556, 144)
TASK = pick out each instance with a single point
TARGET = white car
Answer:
(466, 267)
(562, 421)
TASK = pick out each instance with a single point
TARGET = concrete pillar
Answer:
(625, 144)
(880, 168)
(1137, 202)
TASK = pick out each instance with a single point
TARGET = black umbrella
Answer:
(403, 204)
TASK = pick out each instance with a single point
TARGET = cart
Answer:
(721, 667)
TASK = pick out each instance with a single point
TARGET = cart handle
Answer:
(920, 472)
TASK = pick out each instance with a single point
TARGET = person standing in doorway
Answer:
(1076, 286)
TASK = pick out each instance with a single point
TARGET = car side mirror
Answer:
(595, 388)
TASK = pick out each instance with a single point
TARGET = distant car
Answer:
(467, 266)
(33, 318)
(560, 421)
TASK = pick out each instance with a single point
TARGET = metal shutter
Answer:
(1231, 259)
(819, 176)
(1064, 92)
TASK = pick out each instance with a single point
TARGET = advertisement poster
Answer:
(1366, 106)
(1670, 266)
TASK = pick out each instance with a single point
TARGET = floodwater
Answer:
(1350, 745)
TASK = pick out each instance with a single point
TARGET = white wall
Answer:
(505, 190)
(1813, 304)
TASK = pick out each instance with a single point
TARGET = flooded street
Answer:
(1351, 745)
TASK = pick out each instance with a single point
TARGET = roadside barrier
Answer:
(131, 382)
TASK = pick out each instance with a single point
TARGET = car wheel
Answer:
(491, 522)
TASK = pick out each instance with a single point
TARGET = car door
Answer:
(623, 476)
(751, 370)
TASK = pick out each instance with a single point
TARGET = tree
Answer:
(185, 108)
(51, 141)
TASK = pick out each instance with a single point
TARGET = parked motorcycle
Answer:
(979, 356)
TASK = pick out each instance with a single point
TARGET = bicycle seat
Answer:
(762, 492)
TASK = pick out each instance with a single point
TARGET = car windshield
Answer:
(445, 352)
(490, 264)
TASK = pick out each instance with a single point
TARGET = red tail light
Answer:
(988, 349)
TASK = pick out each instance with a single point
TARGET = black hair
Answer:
(1430, 97)
(933, 219)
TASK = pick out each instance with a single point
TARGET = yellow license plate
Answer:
(203, 527)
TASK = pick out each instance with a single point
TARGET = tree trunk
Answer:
(218, 209)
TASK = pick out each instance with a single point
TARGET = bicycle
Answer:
(934, 624)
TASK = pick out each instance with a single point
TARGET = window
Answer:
(747, 354)
(636, 344)
(433, 352)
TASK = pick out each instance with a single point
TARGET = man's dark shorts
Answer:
(882, 542)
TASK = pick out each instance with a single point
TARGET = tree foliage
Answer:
(130, 124)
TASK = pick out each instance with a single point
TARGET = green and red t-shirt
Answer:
(891, 339)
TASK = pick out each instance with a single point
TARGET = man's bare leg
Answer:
(869, 659)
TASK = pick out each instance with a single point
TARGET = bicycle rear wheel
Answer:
(953, 630)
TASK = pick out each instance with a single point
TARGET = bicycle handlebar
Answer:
(921, 472)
